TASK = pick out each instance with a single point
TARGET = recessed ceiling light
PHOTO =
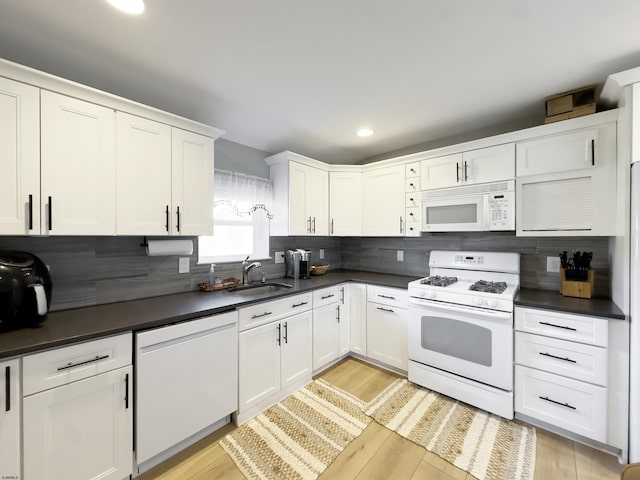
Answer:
(365, 132)
(134, 7)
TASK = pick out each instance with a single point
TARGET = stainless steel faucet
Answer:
(246, 268)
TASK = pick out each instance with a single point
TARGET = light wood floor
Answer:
(379, 453)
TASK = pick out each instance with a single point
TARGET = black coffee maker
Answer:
(25, 290)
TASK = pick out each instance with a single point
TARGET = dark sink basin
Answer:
(259, 288)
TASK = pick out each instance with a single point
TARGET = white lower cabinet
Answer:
(387, 326)
(331, 331)
(561, 373)
(10, 420)
(357, 310)
(81, 428)
(274, 361)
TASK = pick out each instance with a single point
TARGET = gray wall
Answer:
(240, 158)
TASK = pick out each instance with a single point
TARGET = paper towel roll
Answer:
(156, 248)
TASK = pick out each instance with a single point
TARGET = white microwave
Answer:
(483, 207)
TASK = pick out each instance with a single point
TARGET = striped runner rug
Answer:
(300, 436)
(480, 443)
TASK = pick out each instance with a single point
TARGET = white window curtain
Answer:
(241, 215)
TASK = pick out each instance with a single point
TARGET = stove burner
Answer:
(488, 287)
(438, 281)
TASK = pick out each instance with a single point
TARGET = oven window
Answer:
(463, 213)
(454, 338)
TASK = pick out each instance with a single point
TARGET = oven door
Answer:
(471, 342)
(463, 213)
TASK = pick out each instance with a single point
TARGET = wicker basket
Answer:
(226, 283)
(318, 269)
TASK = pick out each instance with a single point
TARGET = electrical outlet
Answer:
(553, 264)
(279, 257)
(183, 265)
(321, 253)
(400, 255)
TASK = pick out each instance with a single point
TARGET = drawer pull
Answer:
(7, 388)
(386, 296)
(298, 304)
(547, 399)
(327, 296)
(386, 309)
(565, 359)
(261, 315)
(559, 326)
(72, 365)
(126, 391)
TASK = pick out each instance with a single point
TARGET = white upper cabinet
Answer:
(144, 176)
(345, 203)
(490, 164)
(78, 167)
(192, 161)
(301, 195)
(383, 201)
(19, 158)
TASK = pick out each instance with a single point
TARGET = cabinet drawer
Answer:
(412, 185)
(576, 360)
(412, 170)
(578, 328)
(261, 313)
(412, 199)
(413, 229)
(394, 297)
(53, 368)
(413, 214)
(569, 404)
(326, 296)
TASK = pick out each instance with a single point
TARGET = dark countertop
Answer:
(551, 300)
(80, 324)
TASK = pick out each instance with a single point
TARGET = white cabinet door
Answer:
(345, 204)
(560, 153)
(81, 430)
(344, 329)
(10, 419)
(387, 335)
(192, 183)
(383, 202)
(326, 335)
(78, 162)
(441, 172)
(259, 364)
(19, 158)
(299, 217)
(318, 201)
(296, 345)
(490, 164)
(144, 176)
(357, 301)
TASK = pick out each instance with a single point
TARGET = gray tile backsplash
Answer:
(96, 270)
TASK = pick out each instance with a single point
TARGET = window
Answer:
(241, 219)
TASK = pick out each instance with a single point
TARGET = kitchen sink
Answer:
(259, 288)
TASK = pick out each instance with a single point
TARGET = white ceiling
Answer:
(304, 75)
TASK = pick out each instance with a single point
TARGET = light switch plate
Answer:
(279, 257)
(183, 265)
(553, 264)
(400, 255)
(321, 253)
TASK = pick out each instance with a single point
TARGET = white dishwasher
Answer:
(186, 381)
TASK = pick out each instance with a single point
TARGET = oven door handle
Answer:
(460, 309)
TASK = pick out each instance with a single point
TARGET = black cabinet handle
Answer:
(166, 221)
(593, 152)
(30, 212)
(7, 388)
(466, 176)
(401, 229)
(547, 399)
(338, 313)
(286, 328)
(309, 225)
(457, 172)
(559, 326)
(298, 304)
(50, 208)
(279, 340)
(386, 309)
(342, 295)
(566, 359)
(386, 296)
(178, 219)
(126, 391)
(72, 365)
(261, 315)
(314, 224)
(332, 226)
(324, 297)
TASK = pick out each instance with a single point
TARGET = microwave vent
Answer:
(464, 190)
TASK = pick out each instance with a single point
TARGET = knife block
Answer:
(570, 288)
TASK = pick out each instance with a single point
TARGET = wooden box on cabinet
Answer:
(570, 288)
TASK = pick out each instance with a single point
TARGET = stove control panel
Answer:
(469, 259)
